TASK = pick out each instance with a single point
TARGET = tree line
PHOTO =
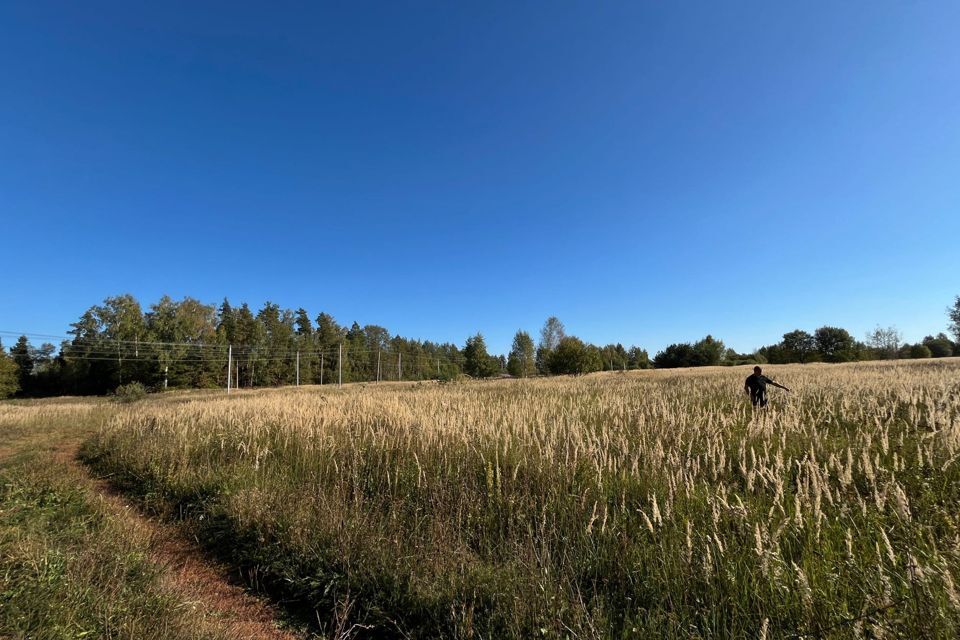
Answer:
(188, 344)
(826, 344)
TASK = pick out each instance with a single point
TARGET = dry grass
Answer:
(607, 506)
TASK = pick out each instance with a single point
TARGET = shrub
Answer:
(920, 351)
(131, 392)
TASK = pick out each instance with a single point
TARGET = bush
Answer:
(920, 351)
(131, 392)
(939, 347)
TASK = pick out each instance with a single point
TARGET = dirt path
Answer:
(188, 572)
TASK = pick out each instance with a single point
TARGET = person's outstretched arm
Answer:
(777, 385)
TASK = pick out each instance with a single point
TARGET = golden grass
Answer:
(650, 503)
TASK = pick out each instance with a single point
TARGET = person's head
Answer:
(757, 370)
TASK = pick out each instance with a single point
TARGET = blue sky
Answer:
(647, 172)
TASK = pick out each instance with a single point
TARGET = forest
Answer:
(189, 344)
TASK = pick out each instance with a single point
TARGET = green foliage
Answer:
(798, 346)
(706, 352)
(183, 343)
(550, 336)
(614, 357)
(522, 359)
(920, 351)
(637, 358)
(835, 344)
(174, 326)
(940, 346)
(709, 352)
(573, 356)
(23, 358)
(9, 378)
(675, 355)
(953, 313)
(72, 567)
(131, 392)
(477, 362)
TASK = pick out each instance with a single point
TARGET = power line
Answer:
(104, 344)
(107, 349)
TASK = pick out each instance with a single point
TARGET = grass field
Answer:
(609, 506)
(648, 504)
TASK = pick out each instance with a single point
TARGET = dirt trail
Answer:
(188, 572)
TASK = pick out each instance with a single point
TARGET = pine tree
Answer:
(328, 335)
(22, 354)
(477, 362)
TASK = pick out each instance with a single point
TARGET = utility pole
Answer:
(438, 368)
(298, 368)
(321, 368)
(340, 366)
(229, 368)
(378, 365)
(119, 364)
(399, 366)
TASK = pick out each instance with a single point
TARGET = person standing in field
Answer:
(756, 387)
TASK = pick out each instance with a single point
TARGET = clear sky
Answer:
(648, 172)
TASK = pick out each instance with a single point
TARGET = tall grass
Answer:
(652, 504)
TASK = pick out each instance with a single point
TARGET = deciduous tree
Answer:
(953, 313)
(573, 356)
(550, 336)
(835, 344)
(885, 342)
(521, 362)
(9, 384)
(798, 346)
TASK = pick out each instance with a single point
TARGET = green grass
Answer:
(69, 566)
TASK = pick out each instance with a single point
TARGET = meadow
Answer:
(645, 504)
